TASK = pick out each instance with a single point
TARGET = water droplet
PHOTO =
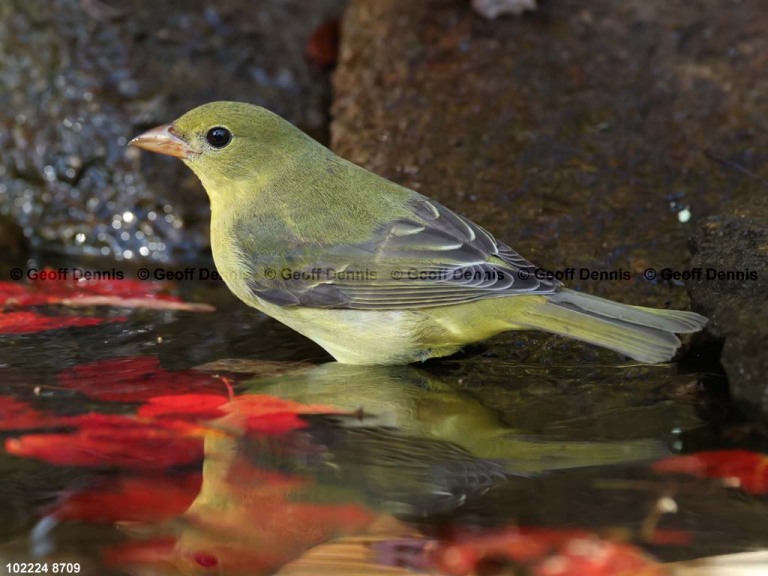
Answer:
(128, 254)
(151, 216)
(684, 215)
(144, 251)
(49, 173)
(79, 238)
(127, 216)
(125, 236)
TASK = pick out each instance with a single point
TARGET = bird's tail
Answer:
(645, 334)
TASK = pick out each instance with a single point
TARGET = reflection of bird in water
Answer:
(416, 405)
(402, 474)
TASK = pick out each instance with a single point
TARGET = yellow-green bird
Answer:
(372, 271)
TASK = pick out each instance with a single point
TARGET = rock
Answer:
(81, 77)
(495, 8)
(576, 134)
(731, 249)
(12, 241)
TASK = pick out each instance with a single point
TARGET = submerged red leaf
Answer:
(188, 407)
(263, 414)
(75, 289)
(739, 468)
(17, 294)
(18, 415)
(135, 379)
(250, 413)
(105, 440)
(167, 430)
(149, 498)
(26, 322)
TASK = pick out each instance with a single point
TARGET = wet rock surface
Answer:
(582, 135)
(576, 134)
(81, 77)
(737, 241)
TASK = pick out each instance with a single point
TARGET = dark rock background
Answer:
(737, 239)
(578, 134)
(81, 77)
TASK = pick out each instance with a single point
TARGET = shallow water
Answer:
(296, 464)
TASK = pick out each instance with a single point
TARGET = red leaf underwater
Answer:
(249, 413)
(167, 429)
(738, 468)
(262, 414)
(106, 440)
(135, 379)
(166, 432)
(51, 287)
(150, 498)
(185, 407)
(56, 287)
(25, 322)
(18, 415)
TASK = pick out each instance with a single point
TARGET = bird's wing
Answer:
(434, 257)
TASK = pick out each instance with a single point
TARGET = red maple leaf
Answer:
(145, 498)
(743, 468)
(26, 322)
(135, 379)
(69, 291)
(18, 415)
(108, 440)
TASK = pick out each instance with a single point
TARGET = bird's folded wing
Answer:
(432, 258)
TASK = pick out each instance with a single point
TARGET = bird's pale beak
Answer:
(164, 140)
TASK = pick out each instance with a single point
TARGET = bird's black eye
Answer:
(218, 137)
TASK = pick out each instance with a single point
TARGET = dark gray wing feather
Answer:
(433, 258)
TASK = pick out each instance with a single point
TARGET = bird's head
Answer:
(227, 142)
